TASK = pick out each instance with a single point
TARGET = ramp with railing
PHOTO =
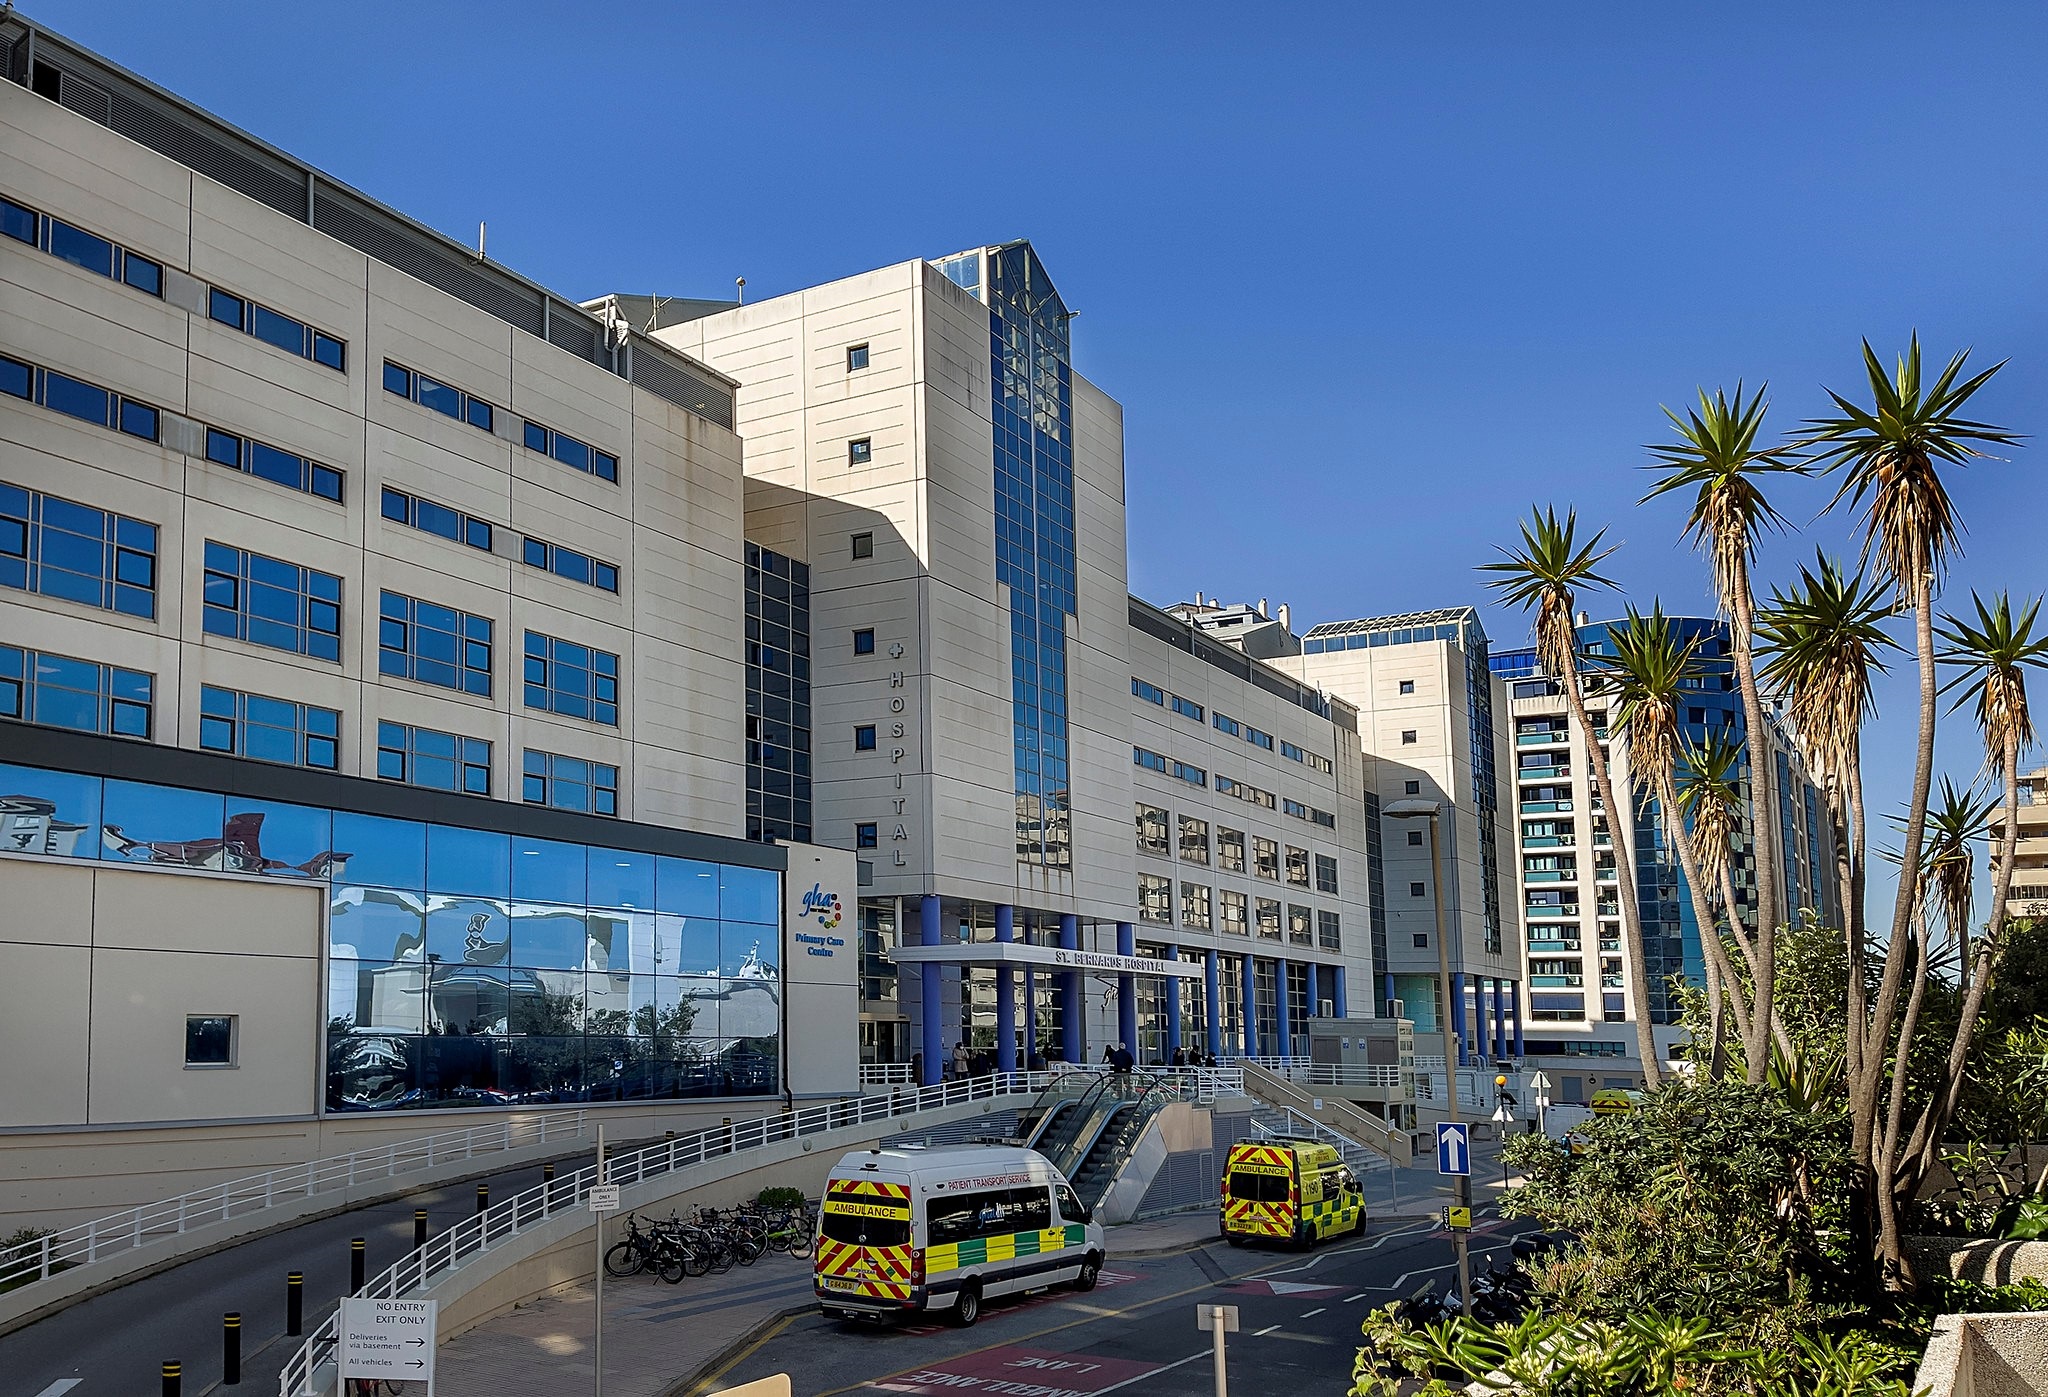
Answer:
(1269, 1086)
(92, 1256)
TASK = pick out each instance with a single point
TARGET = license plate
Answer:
(840, 1283)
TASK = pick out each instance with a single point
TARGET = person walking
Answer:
(960, 1058)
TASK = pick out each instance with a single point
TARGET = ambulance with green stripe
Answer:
(917, 1229)
(1296, 1191)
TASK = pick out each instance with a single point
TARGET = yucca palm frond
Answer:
(1957, 821)
(1822, 642)
(1993, 655)
(1716, 457)
(1645, 677)
(1890, 454)
(1546, 574)
(1710, 796)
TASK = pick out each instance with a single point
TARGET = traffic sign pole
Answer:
(1218, 1320)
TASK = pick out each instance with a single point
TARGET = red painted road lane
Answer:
(1021, 1372)
(1007, 1306)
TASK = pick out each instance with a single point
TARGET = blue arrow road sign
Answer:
(1453, 1148)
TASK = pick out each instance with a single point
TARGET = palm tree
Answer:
(1717, 458)
(1710, 797)
(1645, 678)
(1823, 641)
(1891, 456)
(1546, 574)
(1993, 655)
(1956, 821)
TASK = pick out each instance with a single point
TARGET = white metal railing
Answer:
(886, 1074)
(1299, 1126)
(1330, 1074)
(503, 1221)
(119, 1233)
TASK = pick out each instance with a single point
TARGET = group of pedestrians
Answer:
(968, 1062)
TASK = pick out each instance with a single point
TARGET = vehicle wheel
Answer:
(697, 1260)
(624, 1259)
(966, 1306)
(1091, 1271)
(672, 1271)
(800, 1247)
(721, 1260)
(1233, 1239)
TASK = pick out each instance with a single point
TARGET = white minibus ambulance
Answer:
(945, 1228)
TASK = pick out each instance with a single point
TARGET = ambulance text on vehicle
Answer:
(1289, 1191)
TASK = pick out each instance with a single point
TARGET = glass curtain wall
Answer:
(468, 967)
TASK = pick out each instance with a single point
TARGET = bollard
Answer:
(230, 1350)
(356, 1260)
(483, 1197)
(547, 1172)
(294, 1303)
(173, 1379)
(419, 1228)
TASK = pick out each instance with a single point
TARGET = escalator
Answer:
(1090, 1140)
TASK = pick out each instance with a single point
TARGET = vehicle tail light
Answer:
(917, 1265)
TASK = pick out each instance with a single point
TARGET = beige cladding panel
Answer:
(45, 1019)
(140, 1001)
(48, 904)
(143, 910)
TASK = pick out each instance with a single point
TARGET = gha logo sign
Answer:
(824, 906)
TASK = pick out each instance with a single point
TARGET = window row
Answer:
(1168, 766)
(80, 248)
(1155, 836)
(1306, 758)
(571, 565)
(418, 512)
(1152, 693)
(58, 548)
(446, 400)
(1236, 914)
(74, 397)
(269, 602)
(276, 329)
(109, 259)
(577, 455)
(273, 464)
(59, 691)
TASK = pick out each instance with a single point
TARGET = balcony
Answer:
(1539, 946)
(1542, 739)
(1558, 982)
(1609, 909)
(1549, 841)
(1550, 875)
(1609, 946)
(1569, 910)
(1610, 982)
(1603, 875)
(1543, 773)
(1546, 807)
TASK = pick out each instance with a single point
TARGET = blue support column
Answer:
(1006, 998)
(1387, 995)
(1251, 1009)
(1337, 991)
(1456, 1009)
(931, 997)
(1212, 1002)
(1483, 1004)
(1172, 1007)
(1500, 1020)
(1283, 1027)
(1315, 990)
(1127, 991)
(1515, 1015)
(1072, 1042)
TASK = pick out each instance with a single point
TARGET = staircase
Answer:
(1283, 1123)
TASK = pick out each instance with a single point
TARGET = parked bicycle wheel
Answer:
(625, 1259)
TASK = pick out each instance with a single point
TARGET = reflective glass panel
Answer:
(158, 824)
(49, 812)
(467, 1000)
(468, 861)
(546, 937)
(468, 930)
(545, 871)
(750, 895)
(387, 853)
(686, 886)
(618, 878)
(381, 924)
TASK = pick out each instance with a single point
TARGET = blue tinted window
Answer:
(573, 680)
(427, 757)
(142, 274)
(479, 414)
(272, 603)
(440, 397)
(397, 380)
(434, 644)
(427, 392)
(17, 222)
(223, 448)
(686, 887)
(269, 729)
(63, 549)
(227, 309)
(387, 853)
(618, 878)
(550, 937)
(570, 452)
(81, 249)
(536, 437)
(750, 895)
(160, 824)
(429, 516)
(570, 783)
(75, 398)
(545, 871)
(49, 812)
(279, 330)
(17, 380)
(138, 420)
(329, 351)
(58, 691)
(468, 861)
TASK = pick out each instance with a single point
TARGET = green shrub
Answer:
(780, 1197)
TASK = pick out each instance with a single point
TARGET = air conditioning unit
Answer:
(1397, 1009)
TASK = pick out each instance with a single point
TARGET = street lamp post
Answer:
(1432, 811)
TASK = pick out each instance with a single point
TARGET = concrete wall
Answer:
(1996, 1355)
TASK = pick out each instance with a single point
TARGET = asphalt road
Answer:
(113, 1345)
(1136, 1333)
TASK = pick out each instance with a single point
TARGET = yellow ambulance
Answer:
(1289, 1191)
(945, 1228)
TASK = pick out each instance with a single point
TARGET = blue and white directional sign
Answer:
(1453, 1148)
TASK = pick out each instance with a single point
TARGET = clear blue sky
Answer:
(1368, 279)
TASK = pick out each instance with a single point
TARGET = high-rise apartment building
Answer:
(1577, 957)
(2029, 895)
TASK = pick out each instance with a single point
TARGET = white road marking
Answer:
(1313, 1313)
(1349, 1298)
(1154, 1373)
(1357, 1248)
(60, 1387)
(1396, 1285)
(1256, 1333)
